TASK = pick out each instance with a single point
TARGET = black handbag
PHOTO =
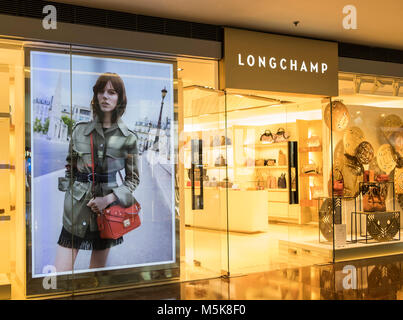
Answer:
(267, 137)
(282, 182)
(281, 135)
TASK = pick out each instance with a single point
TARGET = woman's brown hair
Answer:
(118, 86)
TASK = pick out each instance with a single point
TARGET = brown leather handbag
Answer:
(373, 197)
(115, 220)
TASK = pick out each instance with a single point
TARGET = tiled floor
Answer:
(378, 278)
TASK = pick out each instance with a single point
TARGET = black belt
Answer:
(87, 177)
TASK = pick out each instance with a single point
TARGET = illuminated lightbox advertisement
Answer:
(113, 117)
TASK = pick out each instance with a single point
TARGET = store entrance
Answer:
(278, 171)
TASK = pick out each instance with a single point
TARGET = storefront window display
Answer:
(229, 180)
(367, 128)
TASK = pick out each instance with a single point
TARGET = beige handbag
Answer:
(310, 168)
(385, 158)
(399, 180)
(282, 160)
(271, 182)
(313, 142)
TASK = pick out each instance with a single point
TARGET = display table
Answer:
(241, 217)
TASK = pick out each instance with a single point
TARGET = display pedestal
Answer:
(5, 287)
(240, 217)
(315, 252)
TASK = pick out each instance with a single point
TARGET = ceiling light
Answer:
(180, 69)
(396, 87)
(357, 84)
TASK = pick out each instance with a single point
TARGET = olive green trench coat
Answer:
(114, 149)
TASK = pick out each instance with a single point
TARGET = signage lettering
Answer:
(268, 62)
(292, 64)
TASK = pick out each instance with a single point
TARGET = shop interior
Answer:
(236, 145)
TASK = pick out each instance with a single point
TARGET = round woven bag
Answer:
(340, 116)
(351, 140)
(386, 158)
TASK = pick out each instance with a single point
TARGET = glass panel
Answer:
(310, 235)
(258, 196)
(282, 165)
(47, 140)
(204, 156)
(128, 108)
(12, 221)
(367, 140)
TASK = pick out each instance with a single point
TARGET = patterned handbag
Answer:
(399, 180)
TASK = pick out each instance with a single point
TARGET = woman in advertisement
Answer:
(114, 148)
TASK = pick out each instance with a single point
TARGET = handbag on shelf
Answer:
(282, 182)
(382, 178)
(313, 142)
(260, 182)
(267, 137)
(220, 161)
(338, 183)
(115, 220)
(270, 162)
(310, 168)
(259, 162)
(374, 196)
(281, 135)
(271, 182)
(316, 192)
(369, 176)
(399, 180)
(215, 142)
(282, 159)
(197, 174)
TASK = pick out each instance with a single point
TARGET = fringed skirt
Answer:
(91, 241)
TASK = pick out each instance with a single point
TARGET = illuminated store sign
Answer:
(283, 64)
(267, 62)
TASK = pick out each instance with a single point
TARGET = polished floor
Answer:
(368, 279)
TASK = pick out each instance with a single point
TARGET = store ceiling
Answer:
(379, 23)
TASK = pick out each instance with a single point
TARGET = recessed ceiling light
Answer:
(180, 69)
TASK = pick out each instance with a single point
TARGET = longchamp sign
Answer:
(267, 62)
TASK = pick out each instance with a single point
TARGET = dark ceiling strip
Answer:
(133, 22)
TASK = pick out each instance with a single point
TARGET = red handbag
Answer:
(115, 220)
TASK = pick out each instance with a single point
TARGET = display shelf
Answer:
(311, 175)
(264, 167)
(266, 145)
(210, 148)
(278, 190)
(310, 149)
